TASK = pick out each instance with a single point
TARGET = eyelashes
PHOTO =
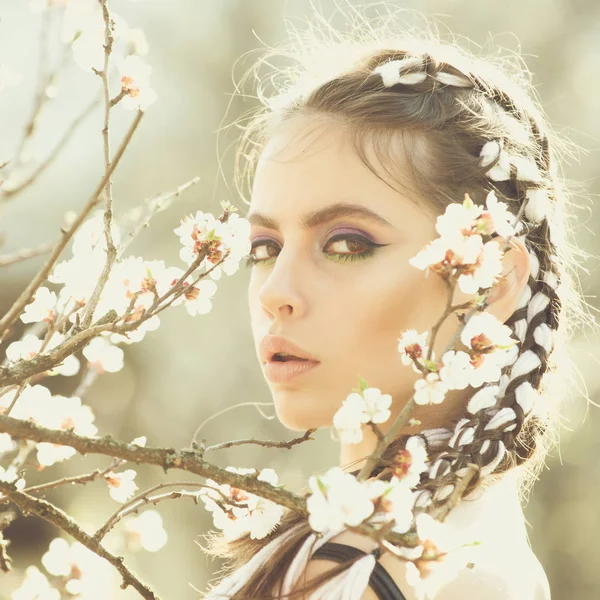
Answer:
(340, 257)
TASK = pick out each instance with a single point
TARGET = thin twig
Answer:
(10, 193)
(41, 97)
(15, 257)
(266, 444)
(16, 309)
(134, 504)
(193, 443)
(111, 250)
(155, 205)
(83, 479)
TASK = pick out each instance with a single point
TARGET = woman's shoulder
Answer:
(517, 576)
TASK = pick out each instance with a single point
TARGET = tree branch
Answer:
(266, 444)
(47, 511)
(15, 310)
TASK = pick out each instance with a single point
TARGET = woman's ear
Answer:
(504, 298)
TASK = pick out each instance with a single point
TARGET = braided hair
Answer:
(501, 427)
(469, 127)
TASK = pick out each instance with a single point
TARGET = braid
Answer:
(500, 428)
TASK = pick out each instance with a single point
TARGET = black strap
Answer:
(381, 582)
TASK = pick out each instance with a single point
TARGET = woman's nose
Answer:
(285, 288)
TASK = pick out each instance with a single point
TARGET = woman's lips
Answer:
(277, 371)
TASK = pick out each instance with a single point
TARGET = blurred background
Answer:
(192, 367)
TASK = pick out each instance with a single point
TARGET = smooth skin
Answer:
(349, 310)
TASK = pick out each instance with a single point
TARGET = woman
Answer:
(352, 164)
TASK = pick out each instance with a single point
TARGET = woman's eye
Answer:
(351, 242)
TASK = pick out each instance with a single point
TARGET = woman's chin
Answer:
(301, 418)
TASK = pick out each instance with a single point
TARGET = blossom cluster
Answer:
(338, 500)
(134, 287)
(245, 512)
(83, 28)
(360, 408)
(459, 255)
(81, 573)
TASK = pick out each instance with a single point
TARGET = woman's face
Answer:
(347, 313)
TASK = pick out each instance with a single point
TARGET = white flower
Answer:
(64, 413)
(349, 418)
(256, 515)
(434, 253)
(401, 502)
(458, 219)
(337, 499)
(121, 485)
(70, 364)
(136, 41)
(197, 297)
(487, 270)
(7, 444)
(371, 406)
(413, 345)
(103, 356)
(502, 220)
(490, 338)
(30, 405)
(26, 348)
(42, 308)
(78, 276)
(457, 370)
(448, 251)
(77, 17)
(10, 475)
(88, 575)
(429, 576)
(233, 235)
(49, 454)
(88, 51)
(31, 345)
(430, 390)
(84, 19)
(139, 441)
(411, 462)
(56, 558)
(91, 236)
(377, 405)
(145, 531)
(135, 80)
(35, 586)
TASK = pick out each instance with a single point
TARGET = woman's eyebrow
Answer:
(324, 215)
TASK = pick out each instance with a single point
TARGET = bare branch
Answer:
(193, 443)
(16, 309)
(10, 193)
(266, 444)
(111, 251)
(44, 80)
(83, 479)
(168, 458)
(51, 513)
(155, 205)
(15, 257)
(134, 504)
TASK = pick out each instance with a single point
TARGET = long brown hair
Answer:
(442, 121)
